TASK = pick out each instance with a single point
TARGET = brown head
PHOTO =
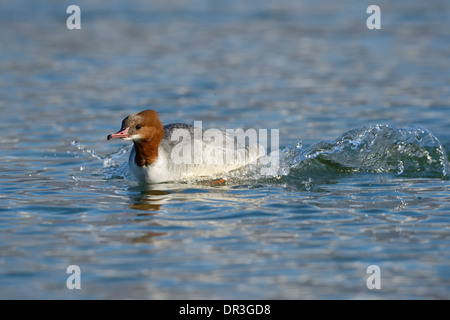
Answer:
(146, 131)
(144, 125)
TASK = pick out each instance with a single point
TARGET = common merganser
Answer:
(180, 151)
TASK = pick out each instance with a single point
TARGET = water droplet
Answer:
(400, 167)
(418, 137)
(308, 184)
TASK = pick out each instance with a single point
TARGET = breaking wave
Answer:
(410, 152)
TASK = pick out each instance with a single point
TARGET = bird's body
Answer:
(179, 151)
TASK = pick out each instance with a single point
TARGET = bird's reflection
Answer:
(149, 200)
(151, 197)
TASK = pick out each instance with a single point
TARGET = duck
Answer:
(181, 152)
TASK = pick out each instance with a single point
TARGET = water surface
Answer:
(364, 146)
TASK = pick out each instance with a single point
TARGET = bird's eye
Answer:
(138, 127)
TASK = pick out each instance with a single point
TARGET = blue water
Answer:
(364, 147)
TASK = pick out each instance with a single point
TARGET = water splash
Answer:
(113, 165)
(413, 152)
(84, 150)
